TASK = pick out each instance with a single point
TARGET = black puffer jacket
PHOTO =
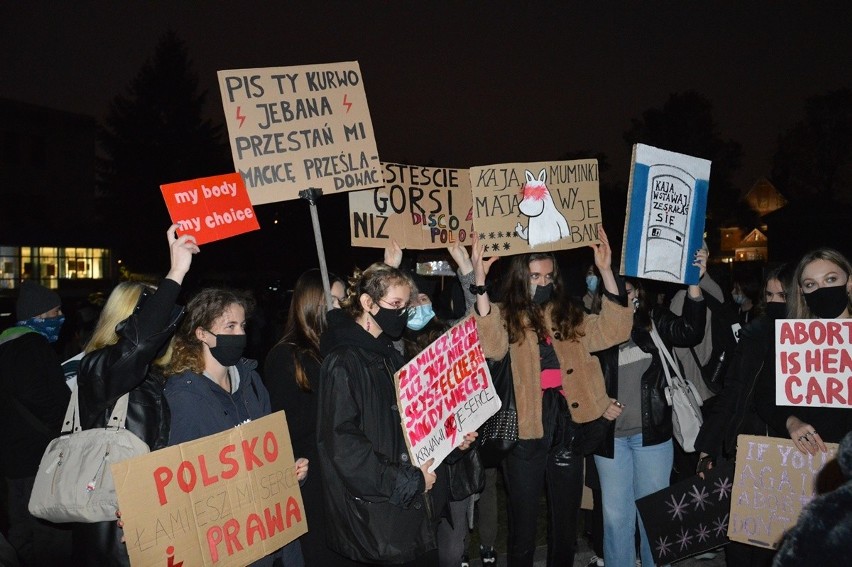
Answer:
(656, 414)
(107, 374)
(376, 511)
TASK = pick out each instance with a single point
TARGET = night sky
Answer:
(464, 83)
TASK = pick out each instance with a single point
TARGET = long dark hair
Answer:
(642, 316)
(306, 321)
(784, 274)
(520, 313)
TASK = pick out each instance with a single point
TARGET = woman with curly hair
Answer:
(212, 388)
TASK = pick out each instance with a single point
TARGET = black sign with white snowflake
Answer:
(689, 517)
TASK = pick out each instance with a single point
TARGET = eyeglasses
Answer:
(398, 304)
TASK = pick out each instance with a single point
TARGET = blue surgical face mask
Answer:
(419, 316)
(47, 326)
(592, 283)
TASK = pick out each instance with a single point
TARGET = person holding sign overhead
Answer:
(212, 388)
(559, 387)
(125, 355)
(822, 289)
(636, 459)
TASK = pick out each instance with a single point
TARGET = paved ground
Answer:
(584, 554)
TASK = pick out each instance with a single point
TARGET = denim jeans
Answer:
(634, 472)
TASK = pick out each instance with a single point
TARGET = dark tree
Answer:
(812, 167)
(155, 133)
(814, 157)
(685, 125)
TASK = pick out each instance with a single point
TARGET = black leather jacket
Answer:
(107, 374)
(376, 511)
(110, 372)
(681, 331)
(734, 411)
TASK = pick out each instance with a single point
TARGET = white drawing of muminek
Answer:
(546, 223)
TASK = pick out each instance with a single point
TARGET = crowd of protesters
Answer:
(587, 377)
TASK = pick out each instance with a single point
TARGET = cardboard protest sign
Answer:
(813, 362)
(664, 224)
(296, 128)
(210, 208)
(536, 207)
(227, 499)
(772, 483)
(444, 393)
(419, 207)
(689, 517)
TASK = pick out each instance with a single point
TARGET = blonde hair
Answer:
(119, 306)
(797, 308)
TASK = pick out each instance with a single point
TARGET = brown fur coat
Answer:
(582, 380)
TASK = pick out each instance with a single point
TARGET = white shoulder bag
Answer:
(74, 482)
(681, 396)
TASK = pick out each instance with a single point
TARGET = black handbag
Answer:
(467, 475)
(499, 434)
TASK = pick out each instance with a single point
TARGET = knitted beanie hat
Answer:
(35, 299)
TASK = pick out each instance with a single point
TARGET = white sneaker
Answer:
(595, 561)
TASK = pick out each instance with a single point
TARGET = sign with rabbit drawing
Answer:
(536, 207)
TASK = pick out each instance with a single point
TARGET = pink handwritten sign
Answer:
(444, 393)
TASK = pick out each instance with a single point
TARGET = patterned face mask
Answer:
(47, 326)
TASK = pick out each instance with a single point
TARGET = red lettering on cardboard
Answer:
(206, 478)
(249, 457)
(162, 477)
(187, 472)
(228, 461)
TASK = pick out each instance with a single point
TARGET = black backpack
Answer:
(724, 334)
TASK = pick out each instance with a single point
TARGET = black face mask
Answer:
(775, 310)
(827, 302)
(392, 321)
(229, 349)
(542, 294)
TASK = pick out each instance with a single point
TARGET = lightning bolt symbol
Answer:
(241, 117)
(346, 103)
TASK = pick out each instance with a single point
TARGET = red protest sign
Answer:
(813, 362)
(210, 208)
